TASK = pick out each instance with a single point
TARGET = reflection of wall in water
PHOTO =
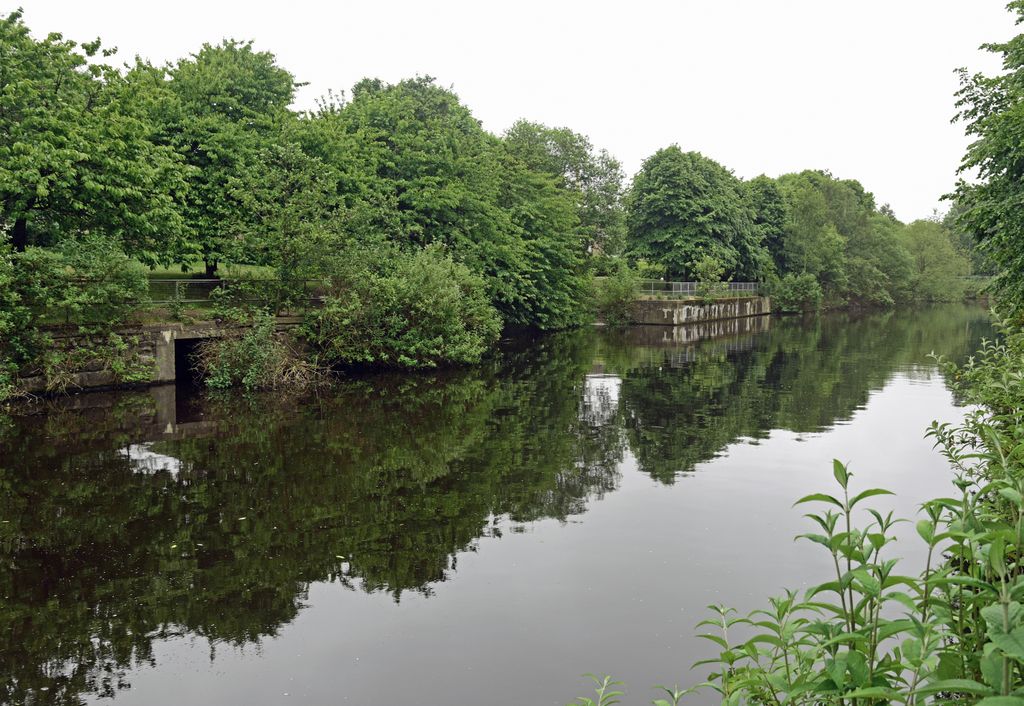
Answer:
(88, 420)
(674, 313)
(701, 331)
(679, 346)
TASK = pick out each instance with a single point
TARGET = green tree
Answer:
(75, 150)
(770, 213)
(11, 317)
(218, 109)
(879, 269)
(545, 223)
(992, 109)
(684, 206)
(812, 243)
(938, 267)
(416, 168)
(593, 176)
(966, 243)
(289, 212)
(834, 232)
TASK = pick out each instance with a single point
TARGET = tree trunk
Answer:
(211, 269)
(19, 237)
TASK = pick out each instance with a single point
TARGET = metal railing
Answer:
(201, 291)
(659, 289)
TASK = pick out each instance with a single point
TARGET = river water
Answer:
(479, 536)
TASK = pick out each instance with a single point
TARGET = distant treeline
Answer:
(202, 163)
(204, 160)
(808, 226)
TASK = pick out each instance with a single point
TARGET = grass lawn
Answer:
(196, 268)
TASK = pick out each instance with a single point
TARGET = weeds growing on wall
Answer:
(114, 354)
(870, 634)
(86, 287)
(255, 357)
(615, 296)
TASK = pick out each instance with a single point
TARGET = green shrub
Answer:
(85, 282)
(615, 295)
(977, 287)
(88, 284)
(709, 272)
(602, 265)
(11, 316)
(254, 357)
(796, 293)
(649, 270)
(403, 310)
(111, 353)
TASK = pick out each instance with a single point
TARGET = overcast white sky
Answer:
(864, 89)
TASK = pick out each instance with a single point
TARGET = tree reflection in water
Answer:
(131, 517)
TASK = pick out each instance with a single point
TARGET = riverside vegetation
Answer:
(955, 632)
(428, 235)
(201, 166)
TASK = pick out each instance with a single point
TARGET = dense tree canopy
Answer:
(769, 207)
(415, 168)
(223, 105)
(684, 206)
(204, 161)
(990, 210)
(594, 177)
(807, 230)
(856, 251)
(937, 268)
(76, 152)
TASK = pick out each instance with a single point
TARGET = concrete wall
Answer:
(675, 313)
(155, 347)
(689, 334)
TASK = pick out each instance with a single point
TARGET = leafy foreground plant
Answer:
(958, 631)
(869, 635)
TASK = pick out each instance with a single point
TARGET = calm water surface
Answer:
(485, 536)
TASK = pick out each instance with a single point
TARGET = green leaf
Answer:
(950, 666)
(991, 666)
(960, 686)
(894, 628)
(767, 639)
(1001, 701)
(871, 692)
(993, 615)
(818, 497)
(1012, 643)
(926, 528)
(997, 556)
(1012, 495)
(717, 639)
(841, 474)
(868, 494)
(816, 538)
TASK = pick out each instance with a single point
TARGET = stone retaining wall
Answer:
(674, 313)
(152, 345)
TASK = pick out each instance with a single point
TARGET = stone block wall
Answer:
(675, 313)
